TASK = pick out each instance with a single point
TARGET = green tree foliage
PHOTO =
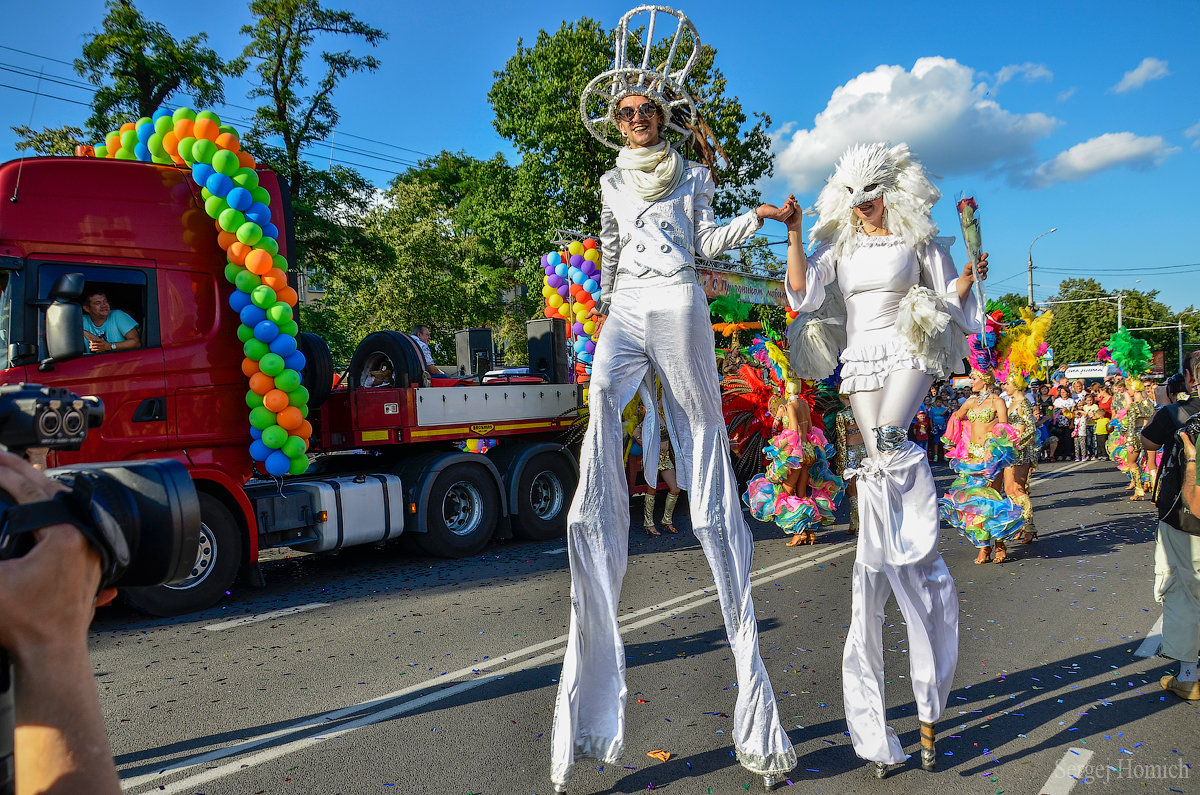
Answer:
(49, 140)
(414, 267)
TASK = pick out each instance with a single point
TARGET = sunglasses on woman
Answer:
(646, 110)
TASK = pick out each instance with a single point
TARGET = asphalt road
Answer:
(373, 671)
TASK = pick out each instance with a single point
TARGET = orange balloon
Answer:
(245, 159)
(226, 239)
(206, 128)
(305, 430)
(183, 129)
(171, 143)
(128, 126)
(249, 367)
(287, 295)
(261, 384)
(274, 399)
(228, 141)
(289, 418)
(275, 279)
(259, 262)
(238, 252)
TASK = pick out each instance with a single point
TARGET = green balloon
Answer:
(274, 437)
(252, 400)
(289, 327)
(185, 149)
(214, 206)
(304, 411)
(227, 128)
(129, 139)
(155, 145)
(279, 312)
(143, 120)
(125, 154)
(203, 150)
(245, 333)
(163, 159)
(255, 349)
(249, 233)
(246, 178)
(183, 113)
(298, 396)
(299, 465)
(271, 364)
(225, 162)
(263, 297)
(288, 381)
(262, 195)
(101, 151)
(279, 262)
(262, 417)
(231, 270)
(164, 124)
(269, 245)
(205, 193)
(247, 281)
(294, 447)
(231, 220)
(208, 114)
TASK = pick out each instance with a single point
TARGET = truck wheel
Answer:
(543, 497)
(462, 514)
(217, 561)
(392, 349)
(318, 368)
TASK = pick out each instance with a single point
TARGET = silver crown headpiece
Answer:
(661, 83)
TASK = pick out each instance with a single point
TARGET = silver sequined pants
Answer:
(666, 328)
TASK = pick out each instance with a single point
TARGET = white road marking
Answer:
(1059, 472)
(557, 551)
(1153, 641)
(630, 621)
(1067, 772)
(287, 611)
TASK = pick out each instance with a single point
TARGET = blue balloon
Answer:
(251, 315)
(239, 301)
(278, 464)
(284, 345)
(145, 131)
(269, 230)
(255, 433)
(562, 270)
(201, 172)
(266, 331)
(585, 357)
(239, 199)
(158, 114)
(294, 361)
(259, 451)
(257, 212)
(219, 185)
(591, 286)
(577, 276)
(553, 258)
(141, 151)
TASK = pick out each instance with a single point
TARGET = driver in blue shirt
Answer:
(105, 328)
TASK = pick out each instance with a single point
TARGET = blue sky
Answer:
(1080, 116)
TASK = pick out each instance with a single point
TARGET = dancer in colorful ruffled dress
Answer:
(980, 442)
(799, 491)
(1132, 355)
(1138, 463)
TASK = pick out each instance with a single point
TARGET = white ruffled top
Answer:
(875, 278)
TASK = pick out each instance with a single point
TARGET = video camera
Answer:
(141, 517)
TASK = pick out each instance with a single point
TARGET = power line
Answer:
(47, 96)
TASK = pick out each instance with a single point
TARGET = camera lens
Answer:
(49, 422)
(73, 422)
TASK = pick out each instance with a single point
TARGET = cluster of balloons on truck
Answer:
(571, 288)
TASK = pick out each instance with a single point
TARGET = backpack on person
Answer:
(1170, 476)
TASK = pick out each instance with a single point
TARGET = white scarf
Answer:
(654, 172)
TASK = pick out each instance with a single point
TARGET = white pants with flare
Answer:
(897, 553)
(666, 328)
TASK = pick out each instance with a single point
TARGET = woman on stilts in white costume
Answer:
(907, 313)
(657, 218)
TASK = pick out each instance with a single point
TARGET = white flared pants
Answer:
(897, 553)
(666, 328)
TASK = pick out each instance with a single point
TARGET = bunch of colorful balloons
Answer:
(240, 209)
(475, 445)
(572, 288)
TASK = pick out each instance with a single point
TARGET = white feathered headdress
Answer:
(868, 171)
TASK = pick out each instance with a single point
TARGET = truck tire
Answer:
(464, 509)
(393, 348)
(217, 562)
(543, 497)
(318, 368)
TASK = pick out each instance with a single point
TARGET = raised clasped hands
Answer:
(786, 213)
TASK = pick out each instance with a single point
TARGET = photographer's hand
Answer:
(47, 599)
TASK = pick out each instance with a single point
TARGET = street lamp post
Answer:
(1036, 239)
(1120, 298)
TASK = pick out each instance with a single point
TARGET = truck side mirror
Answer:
(64, 321)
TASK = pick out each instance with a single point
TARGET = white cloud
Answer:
(1101, 154)
(1063, 96)
(1193, 132)
(940, 108)
(1149, 69)
(1028, 70)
